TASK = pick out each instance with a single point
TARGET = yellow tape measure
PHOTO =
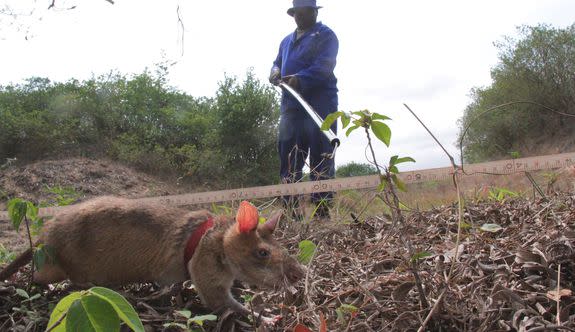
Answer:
(358, 182)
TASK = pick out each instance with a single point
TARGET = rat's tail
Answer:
(13, 267)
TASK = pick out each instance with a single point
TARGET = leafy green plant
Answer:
(501, 194)
(28, 307)
(6, 256)
(63, 195)
(373, 122)
(345, 313)
(389, 179)
(97, 309)
(191, 322)
(551, 178)
(20, 211)
(420, 255)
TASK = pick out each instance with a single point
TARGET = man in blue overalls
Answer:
(305, 61)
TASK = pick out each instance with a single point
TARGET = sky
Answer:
(425, 54)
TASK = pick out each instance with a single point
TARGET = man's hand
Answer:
(292, 81)
(275, 76)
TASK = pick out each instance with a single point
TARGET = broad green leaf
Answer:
(493, 228)
(77, 319)
(202, 318)
(39, 257)
(306, 251)
(92, 313)
(381, 131)
(393, 169)
(50, 256)
(184, 313)
(350, 129)
(31, 211)
(329, 120)
(17, 211)
(61, 309)
(377, 116)
(22, 293)
(396, 160)
(345, 119)
(101, 313)
(420, 255)
(247, 298)
(122, 307)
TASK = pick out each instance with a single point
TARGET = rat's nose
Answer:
(295, 273)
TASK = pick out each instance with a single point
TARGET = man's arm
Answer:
(323, 65)
(275, 72)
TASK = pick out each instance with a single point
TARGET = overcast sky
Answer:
(427, 54)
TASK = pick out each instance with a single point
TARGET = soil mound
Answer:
(76, 179)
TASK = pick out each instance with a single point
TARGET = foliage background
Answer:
(538, 67)
(143, 122)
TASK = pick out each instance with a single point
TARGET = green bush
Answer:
(534, 75)
(144, 123)
(355, 169)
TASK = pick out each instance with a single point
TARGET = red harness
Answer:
(195, 238)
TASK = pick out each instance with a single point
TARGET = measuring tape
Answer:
(357, 182)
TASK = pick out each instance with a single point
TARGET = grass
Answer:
(426, 195)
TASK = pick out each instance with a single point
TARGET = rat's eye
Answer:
(262, 253)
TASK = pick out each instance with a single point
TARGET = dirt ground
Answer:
(71, 180)
(510, 255)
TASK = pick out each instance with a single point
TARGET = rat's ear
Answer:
(272, 221)
(247, 217)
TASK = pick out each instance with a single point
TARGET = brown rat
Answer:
(114, 241)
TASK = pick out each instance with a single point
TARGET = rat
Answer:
(115, 241)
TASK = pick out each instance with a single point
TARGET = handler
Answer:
(306, 61)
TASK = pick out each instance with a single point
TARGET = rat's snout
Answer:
(294, 271)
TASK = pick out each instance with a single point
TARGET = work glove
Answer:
(275, 76)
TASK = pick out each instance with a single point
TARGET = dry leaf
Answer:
(562, 292)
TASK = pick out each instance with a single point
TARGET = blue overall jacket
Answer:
(312, 59)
